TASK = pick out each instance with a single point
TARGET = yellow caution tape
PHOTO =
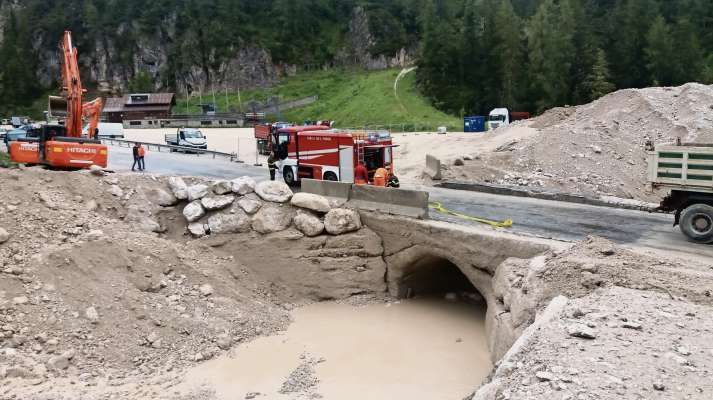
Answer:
(439, 207)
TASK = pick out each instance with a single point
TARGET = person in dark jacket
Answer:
(272, 165)
(137, 160)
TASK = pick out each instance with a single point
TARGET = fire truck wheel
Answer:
(330, 176)
(289, 176)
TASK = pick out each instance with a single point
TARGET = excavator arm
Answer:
(91, 111)
(72, 85)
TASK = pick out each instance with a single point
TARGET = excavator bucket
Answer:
(57, 107)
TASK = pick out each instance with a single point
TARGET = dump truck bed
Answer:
(687, 167)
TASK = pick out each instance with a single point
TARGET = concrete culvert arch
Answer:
(430, 275)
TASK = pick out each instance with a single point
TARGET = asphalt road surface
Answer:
(541, 218)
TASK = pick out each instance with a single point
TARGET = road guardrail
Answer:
(170, 148)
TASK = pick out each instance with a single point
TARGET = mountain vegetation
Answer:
(472, 55)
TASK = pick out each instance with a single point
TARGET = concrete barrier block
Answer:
(433, 167)
(331, 190)
(410, 203)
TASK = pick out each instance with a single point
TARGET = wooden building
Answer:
(139, 106)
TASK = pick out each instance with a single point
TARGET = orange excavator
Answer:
(63, 145)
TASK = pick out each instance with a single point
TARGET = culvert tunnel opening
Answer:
(432, 276)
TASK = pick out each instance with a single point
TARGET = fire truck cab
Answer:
(318, 152)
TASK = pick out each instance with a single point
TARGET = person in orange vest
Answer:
(142, 153)
(380, 176)
(361, 175)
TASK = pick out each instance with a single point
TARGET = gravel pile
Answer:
(598, 148)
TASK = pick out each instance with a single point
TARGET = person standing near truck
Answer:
(272, 165)
(135, 152)
(142, 153)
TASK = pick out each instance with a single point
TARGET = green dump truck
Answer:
(687, 171)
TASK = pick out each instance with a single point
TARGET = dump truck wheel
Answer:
(289, 176)
(697, 223)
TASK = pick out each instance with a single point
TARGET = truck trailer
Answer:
(686, 170)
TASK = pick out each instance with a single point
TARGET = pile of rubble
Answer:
(101, 285)
(597, 148)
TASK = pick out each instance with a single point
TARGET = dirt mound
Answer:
(598, 148)
(100, 285)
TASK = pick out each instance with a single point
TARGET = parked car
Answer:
(15, 134)
(187, 138)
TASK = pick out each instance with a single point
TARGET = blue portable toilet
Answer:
(474, 124)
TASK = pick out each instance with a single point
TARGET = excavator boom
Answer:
(63, 146)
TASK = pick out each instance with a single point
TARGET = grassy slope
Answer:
(351, 98)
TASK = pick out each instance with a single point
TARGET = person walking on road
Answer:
(135, 151)
(142, 153)
(272, 165)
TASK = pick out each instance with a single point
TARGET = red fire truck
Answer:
(317, 152)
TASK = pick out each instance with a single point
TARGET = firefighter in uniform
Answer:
(272, 165)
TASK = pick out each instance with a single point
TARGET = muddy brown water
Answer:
(417, 349)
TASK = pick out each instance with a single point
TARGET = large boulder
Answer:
(222, 187)
(197, 229)
(342, 220)
(311, 201)
(272, 218)
(308, 223)
(217, 202)
(243, 185)
(249, 205)
(141, 217)
(194, 211)
(178, 187)
(197, 192)
(237, 222)
(277, 192)
(161, 197)
(4, 236)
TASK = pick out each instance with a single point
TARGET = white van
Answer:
(111, 130)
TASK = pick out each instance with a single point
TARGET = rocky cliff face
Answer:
(110, 65)
(362, 42)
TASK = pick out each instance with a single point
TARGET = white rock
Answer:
(597, 149)
(309, 224)
(222, 187)
(178, 187)
(116, 191)
(243, 185)
(161, 197)
(272, 218)
(229, 223)
(193, 211)
(274, 191)
(224, 342)
(217, 202)
(141, 218)
(4, 236)
(197, 192)
(96, 170)
(92, 314)
(206, 289)
(94, 235)
(342, 220)
(250, 206)
(311, 201)
(60, 362)
(20, 300)
(197, 229)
